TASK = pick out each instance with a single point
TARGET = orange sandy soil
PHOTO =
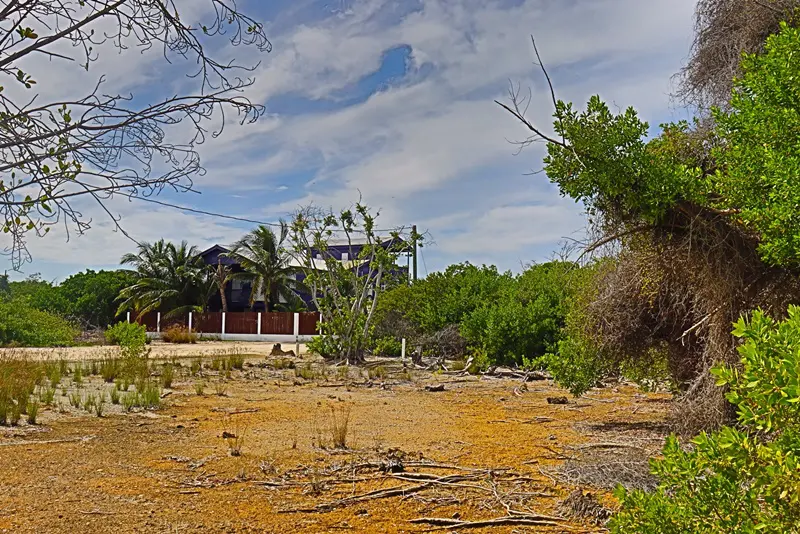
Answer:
(170, 471)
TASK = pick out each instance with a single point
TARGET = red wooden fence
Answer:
(309, 323)
(277, 323)
(272, 323)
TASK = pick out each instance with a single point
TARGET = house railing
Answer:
(235, 323)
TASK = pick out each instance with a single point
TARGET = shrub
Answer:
(236, 361)
(741, 479)
(114, 395)
(129, 401)
(387, 346)
(32, 411)
(178, 334)
(150, 396)
(167, 375)
(199, 387)
(23, 325)
(126, 334)
(110, 369)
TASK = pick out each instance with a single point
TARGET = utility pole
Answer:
(414, 236)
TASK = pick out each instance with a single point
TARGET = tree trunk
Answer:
(223, 298)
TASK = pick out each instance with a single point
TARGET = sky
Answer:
(392, 101)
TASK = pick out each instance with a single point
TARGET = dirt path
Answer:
(171, 471)
(159, 350)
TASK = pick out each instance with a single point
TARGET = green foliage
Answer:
(611, 168)
(608, 164)
(761, 155)
(525, 321)
(126, 334)
(345, 292)
(18, 379)
(22, 324)
(90, 296)
(741, 479)
(168, 277)
(444, 298)
(505, 319)
(387, 346)
(266, 262)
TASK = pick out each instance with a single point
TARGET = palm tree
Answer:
(168, 278)
(266, 265)
(220, 275)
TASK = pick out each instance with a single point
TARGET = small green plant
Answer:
(167, 375)
(54, 375)
(236, 361)
(64, 391)
(305, 372)
(129, 401)
(342, 372)
(126, 334)
(282, 363)
(217, 364)
(387, 346)
(63, 367)
(98, 408)
(95, 368)
(110, 369)
(150, 396)
(5, 406)
(378, 373)
(89, 402)
(199, 387)
(16, 412)
(77, 375)
(47, 395)
(220, 388)
(235, 441)
(75, 399)
(196, 366)
(114, 395)
(32, 411)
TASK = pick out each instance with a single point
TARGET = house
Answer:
(237, 292)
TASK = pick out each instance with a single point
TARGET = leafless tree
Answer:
(100, 145)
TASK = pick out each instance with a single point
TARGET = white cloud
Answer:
(411, 148)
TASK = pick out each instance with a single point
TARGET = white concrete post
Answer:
(223, 323)
(259, 323)
(296, 324)
(129, 316)
(158, 322)
(403, 350)
(190, 321)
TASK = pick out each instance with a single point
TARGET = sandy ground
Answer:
(159, 350)
(171, 470)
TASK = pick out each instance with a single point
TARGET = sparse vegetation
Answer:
(18, 379)
(32, 410)
(178, 334)
(114, 395)
(199, 387)
(167, 375)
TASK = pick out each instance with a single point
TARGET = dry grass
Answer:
(18, 379)
(179, 334)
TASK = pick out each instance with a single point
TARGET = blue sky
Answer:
(393, 100)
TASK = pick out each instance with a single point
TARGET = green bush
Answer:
(742, 479)
(387, 346)
(126, 334)
(23, 325)
(526, 320)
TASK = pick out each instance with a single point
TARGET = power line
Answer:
(201, 212)
(222, 215)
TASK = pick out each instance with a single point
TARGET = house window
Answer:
(236, 284)
(345, 256)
